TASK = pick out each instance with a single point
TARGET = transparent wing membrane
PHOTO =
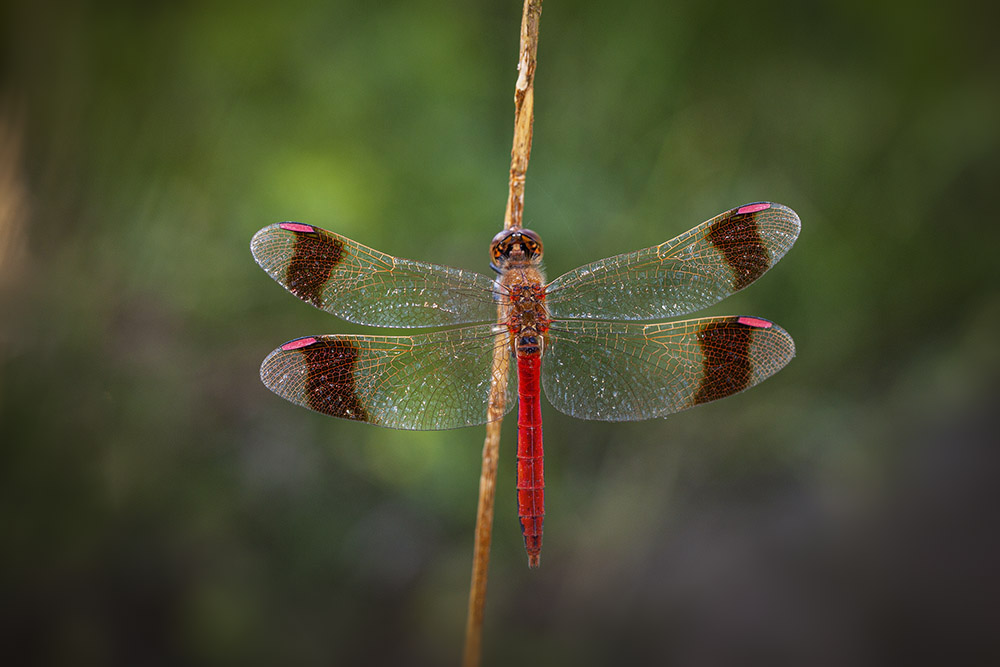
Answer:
(369, 287)
(424, 382)
(614, 371)
(687, 273)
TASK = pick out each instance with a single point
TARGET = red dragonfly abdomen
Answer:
(530, 474)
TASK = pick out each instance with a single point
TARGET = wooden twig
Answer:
(524, 112)
(484, 516)
(524, 103)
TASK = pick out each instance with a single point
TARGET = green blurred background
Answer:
(159, 506)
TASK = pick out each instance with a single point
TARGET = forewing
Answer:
(687, 273)
(366, 286)
(615, 371)
(424, 382)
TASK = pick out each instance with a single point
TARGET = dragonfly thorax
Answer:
(528, 317)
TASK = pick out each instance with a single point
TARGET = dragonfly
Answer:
(585, 337)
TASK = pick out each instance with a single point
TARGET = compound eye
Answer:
(500, 245)
(506, 242)
(532, 242)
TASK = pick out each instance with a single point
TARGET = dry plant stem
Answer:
(524, 103)
(484, 516)
(524, 112)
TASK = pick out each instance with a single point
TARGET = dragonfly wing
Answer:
(698, 268)
(615, 371)
(366, 286)
(424, 382)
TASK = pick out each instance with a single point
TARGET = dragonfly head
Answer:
(515, 247)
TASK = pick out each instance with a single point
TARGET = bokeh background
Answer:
(158, 506)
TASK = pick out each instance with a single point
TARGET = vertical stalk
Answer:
(524, 104)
